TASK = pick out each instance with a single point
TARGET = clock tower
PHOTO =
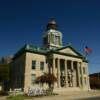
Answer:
(52, 38)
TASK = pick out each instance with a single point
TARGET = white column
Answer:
(58, 71)
(82, 73)
(78, 71)
(54, 67)
(72, 72)
(66, 80)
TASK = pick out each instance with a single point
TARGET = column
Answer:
(54, 66)
(66, 80)
(72, 72)
(78, 71)
(58, 71)
(82, 73)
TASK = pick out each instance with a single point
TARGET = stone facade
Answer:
(65, 62)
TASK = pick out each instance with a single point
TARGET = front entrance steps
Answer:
(68, 90)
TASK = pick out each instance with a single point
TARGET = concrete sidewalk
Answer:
(2, 97)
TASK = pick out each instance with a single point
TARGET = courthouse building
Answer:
(65, 62)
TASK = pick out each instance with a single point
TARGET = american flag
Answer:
(87, 50)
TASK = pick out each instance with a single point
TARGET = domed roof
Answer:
(52, 24)
(52, 21)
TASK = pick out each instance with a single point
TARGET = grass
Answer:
(18, 97)
(23, 97)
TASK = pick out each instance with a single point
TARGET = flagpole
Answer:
(85, 55)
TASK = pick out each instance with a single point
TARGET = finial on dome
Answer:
(52, 21)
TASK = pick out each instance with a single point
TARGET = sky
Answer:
(24, 22)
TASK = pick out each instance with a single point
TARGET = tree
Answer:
(4, 76)
(48, 78)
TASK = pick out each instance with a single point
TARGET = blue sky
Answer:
(24, 21)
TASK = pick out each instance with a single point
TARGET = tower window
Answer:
(57, 40)
(33, 64)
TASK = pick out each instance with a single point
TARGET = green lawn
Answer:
(19, 97)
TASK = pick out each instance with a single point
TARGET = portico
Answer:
(68, 72)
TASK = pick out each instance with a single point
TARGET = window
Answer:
(33, 77)
(41, 65)
(57, 40)
(33, 64)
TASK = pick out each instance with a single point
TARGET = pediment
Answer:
(69, 50)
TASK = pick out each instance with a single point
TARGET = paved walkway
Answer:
(2, 97)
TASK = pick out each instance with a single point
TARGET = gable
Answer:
(69, 50)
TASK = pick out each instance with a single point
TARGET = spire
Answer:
(52, 24)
